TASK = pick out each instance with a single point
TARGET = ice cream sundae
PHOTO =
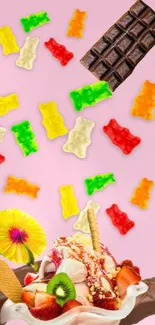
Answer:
(77, 272)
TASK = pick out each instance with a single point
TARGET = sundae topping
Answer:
(94, 230)
(9, 284)
(29, 278)
(42, 298)
(56, 256)
(62, 287)
(28, 298)
(74, 269)
(35, 286)
(111, 304)
(83, 239)
(126, 277)
(70, 305)
(44, 265)
(47, 311)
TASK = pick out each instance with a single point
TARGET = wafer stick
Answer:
(9, 284)
(94, 230)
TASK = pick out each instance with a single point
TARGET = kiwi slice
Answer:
(62, 287)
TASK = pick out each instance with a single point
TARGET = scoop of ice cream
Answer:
(33, 287)
(47, 265)
(74, 269)
(109, 264)
(82, 293)
(51, 262)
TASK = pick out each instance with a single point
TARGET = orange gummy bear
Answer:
(141, 195)
(144, 103)
(21, 186)
(76, 24)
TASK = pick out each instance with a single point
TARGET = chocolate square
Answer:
(153, 29)
(149, 17)
(101, 46)
(136, 30)
(112, 56)
(113, 33)
(89, 59)
(147, 41)
(124, 43)
(135, 55)
(126, 21)
(100, 70)
(123, 69)
(138, 8)
(113, 81)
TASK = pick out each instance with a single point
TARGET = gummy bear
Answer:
(98, 182)
(144, 103)
(120, 219)
(68, 201)
(76, 24)
(25, 137)
(59, 51)
(52, 120)
(8, 103)
(2, 133)
(28, 53)
(34, 20)
(21, 186)
(2, 159)
(90, 95)
(121, 137)
(79, 137)
(82, 223)
(8, 41)
(141, 195)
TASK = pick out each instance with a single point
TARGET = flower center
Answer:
(18, 236)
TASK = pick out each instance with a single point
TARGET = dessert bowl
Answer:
(86, 315)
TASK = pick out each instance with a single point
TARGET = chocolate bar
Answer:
(116, 54)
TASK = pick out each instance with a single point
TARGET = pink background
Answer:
(50, 167)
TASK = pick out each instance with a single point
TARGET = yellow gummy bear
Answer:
(8, 41)
(52, 120)
(8, 103)
(68, 201)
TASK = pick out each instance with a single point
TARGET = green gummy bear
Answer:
(25, 137)
(98, 182)
(90, 95)
(34, 21)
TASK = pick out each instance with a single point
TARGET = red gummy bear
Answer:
(2, 159)
(121, 137)
(59, 51)
(120, 219)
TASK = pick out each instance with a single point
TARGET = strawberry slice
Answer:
(136, 269)
(110, 304)
(42, 298)
(127, 263)
(126, 277)
(70, 305)
(46, 311)
(28, 298)
(29, 278)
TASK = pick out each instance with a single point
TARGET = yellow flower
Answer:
(19, 230)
